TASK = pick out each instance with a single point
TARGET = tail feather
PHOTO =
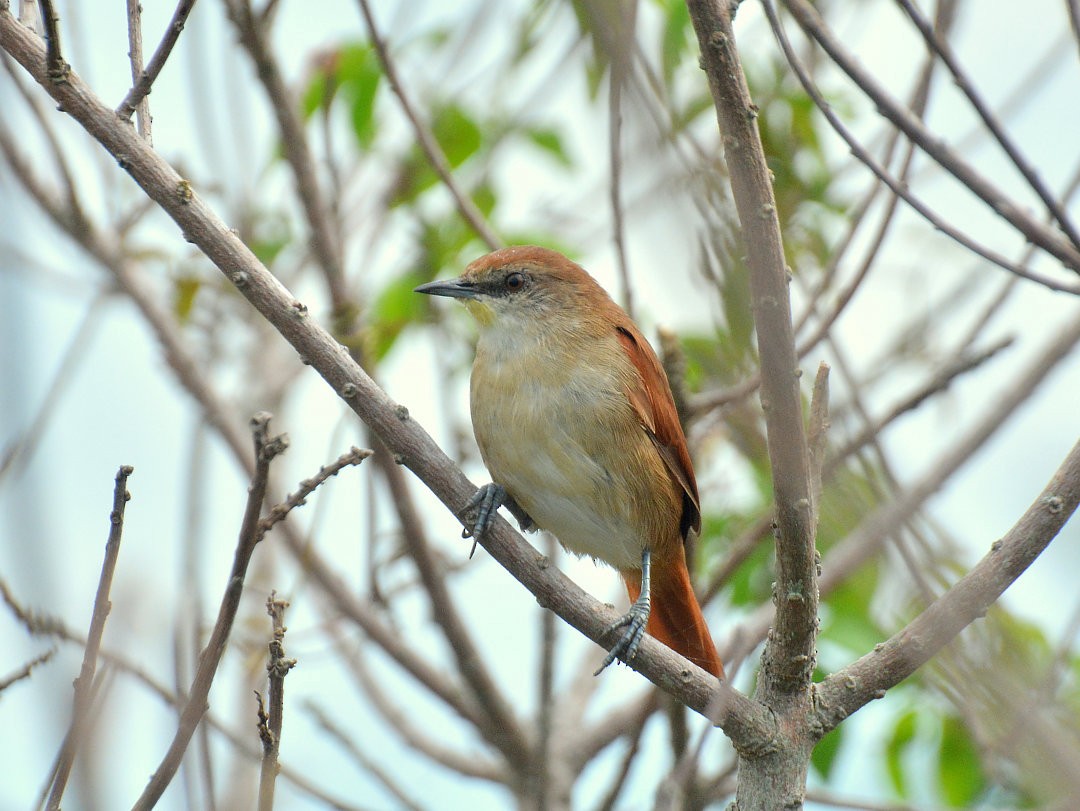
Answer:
(676, 618)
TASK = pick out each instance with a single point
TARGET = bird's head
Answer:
(522, 286)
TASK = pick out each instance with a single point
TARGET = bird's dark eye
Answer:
(514, 281)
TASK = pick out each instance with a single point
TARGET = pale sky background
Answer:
(121, 406)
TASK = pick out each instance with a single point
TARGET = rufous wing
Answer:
(651, 398)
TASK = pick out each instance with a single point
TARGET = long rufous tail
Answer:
(676, 618)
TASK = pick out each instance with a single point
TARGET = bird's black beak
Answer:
(453, 288)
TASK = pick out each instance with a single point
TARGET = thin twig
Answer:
(419, 736)
(144, 80)
(135, 56)
(346, 739)
(56, 67)
(545, 698)
(266, 448)
(941, 48)
(277, 513)
(324, 236)
(1032, 230)
(618, 72)
(429, 144)
(500, 724)
(38, 624)
(102, 606)
(1049, 243)
(270, 725)
(25, 671)
(937, 383)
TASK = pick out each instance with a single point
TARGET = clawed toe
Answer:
(626, 648)
(485, 502)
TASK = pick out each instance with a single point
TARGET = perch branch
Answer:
(741, 718)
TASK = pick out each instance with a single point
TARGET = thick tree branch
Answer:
(789, 658)
(741, 718)
(888, 664)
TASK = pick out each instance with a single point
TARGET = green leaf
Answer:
(959, 766)
(902, 737)
(824, 754)
(550, 141)
(185, 288)
(359, 74)
(318, 93)
(395, 307)
(674, 39)
(457, 134)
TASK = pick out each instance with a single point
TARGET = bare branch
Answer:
(135, 56)
(899, 189)
(354, 456)
(344, 738)
(740, 717)
(891, 662)
(85, 680)
(144, 80)
(426, 138)
(26, 670)
(1032, 230)
(56, 66)
(325, 243)
(270, 725)
(818, 433)
(789, 660)
(941, 48)
(266, 448)
(500, 724)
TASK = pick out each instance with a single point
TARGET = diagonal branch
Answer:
(266, 448)
(744, 720)
(85, 680)
(888, 664)
(426, 138)
(897, 185)
(145, 79)
(325, 246)
(940, 47)
(1034, 231)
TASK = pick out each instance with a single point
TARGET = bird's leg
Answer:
(634, 621)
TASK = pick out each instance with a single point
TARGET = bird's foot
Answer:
(633, 622)
(485, 503)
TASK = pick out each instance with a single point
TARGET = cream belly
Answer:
(548, 444)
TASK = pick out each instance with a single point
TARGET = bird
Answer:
(575, 421)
